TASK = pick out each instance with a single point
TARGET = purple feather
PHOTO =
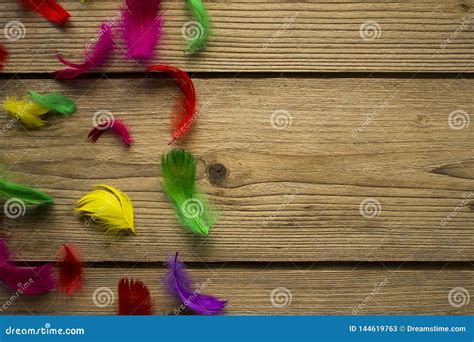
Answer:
(93, 59)
(141, 28)
(180, 285)
(26, 280)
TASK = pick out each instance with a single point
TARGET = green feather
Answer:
(23, 193)
(55, 102)
(200, 14)
(178, 169)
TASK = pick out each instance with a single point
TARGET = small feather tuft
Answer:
(180, 285)
(178, 169)
(93, 59)
(141, 28)
(23, 193)
(55, 102)
(186, 109)
(26, 111)
(3, 56)
(134, 298)
(71, 270)
(28, 281)
(49, 9)
(109, 207)
(200, 29)
(117, 126)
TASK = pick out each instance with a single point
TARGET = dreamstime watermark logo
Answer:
(370, 208)
(14, 208)
(281, 119)
(369, 120)
(288, 22)
(458, 296)
(378, 287)
(9, 125)
(103, 119)
(192, 30)
(21, 288)
(464, 25)
(465, 201)
(458, 119)
(109, 23)
(370, 30)
(281, 297)
(192, 208)
(282, 206)
(102, 297)
(190, 299)
(14, 30)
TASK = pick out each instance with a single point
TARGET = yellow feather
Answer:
(26, 111)
(109, 207)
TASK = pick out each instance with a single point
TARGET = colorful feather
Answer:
(29, 281)
(71, 270)
(134, 298)
(141, 28)
(110, 207)
(197, 32)
(26, 111)
(178, 169)
(23, 193)
(3, 56)
(117, 126)
(186, 109)
(49, 9)
(180, 285)
(93, 59)
(55, 102)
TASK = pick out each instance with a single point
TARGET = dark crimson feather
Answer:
(49, 9)
(186, 108)
(134, 298)
(3, 56)
(117, 126)
(71, 270)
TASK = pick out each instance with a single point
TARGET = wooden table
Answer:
(333, 139)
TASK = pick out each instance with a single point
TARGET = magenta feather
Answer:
(26, 280)
(180, 285)
(117, 126)
(141, 28)
(93, 59)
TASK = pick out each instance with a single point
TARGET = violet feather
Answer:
(141, 28)
(93, 59)
(26, 280)
(180, 285)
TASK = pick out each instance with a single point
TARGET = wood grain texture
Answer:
(289, 194)
(263, 35)
(315, 291)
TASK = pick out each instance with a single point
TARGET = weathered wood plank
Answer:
(263, 35)
(316, 291)
(288, 195)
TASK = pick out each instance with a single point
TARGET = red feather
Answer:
(49, 9)
(3, 56)
(134, 298)
(117, 126)
(186, 109)
(71, 270)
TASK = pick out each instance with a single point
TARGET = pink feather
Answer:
(93, 59)
(26, 280)
(117, 126)
(141, 28)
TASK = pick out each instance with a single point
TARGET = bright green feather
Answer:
(54, 102)
(197, 41)
(178, 169)
(23, 193)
